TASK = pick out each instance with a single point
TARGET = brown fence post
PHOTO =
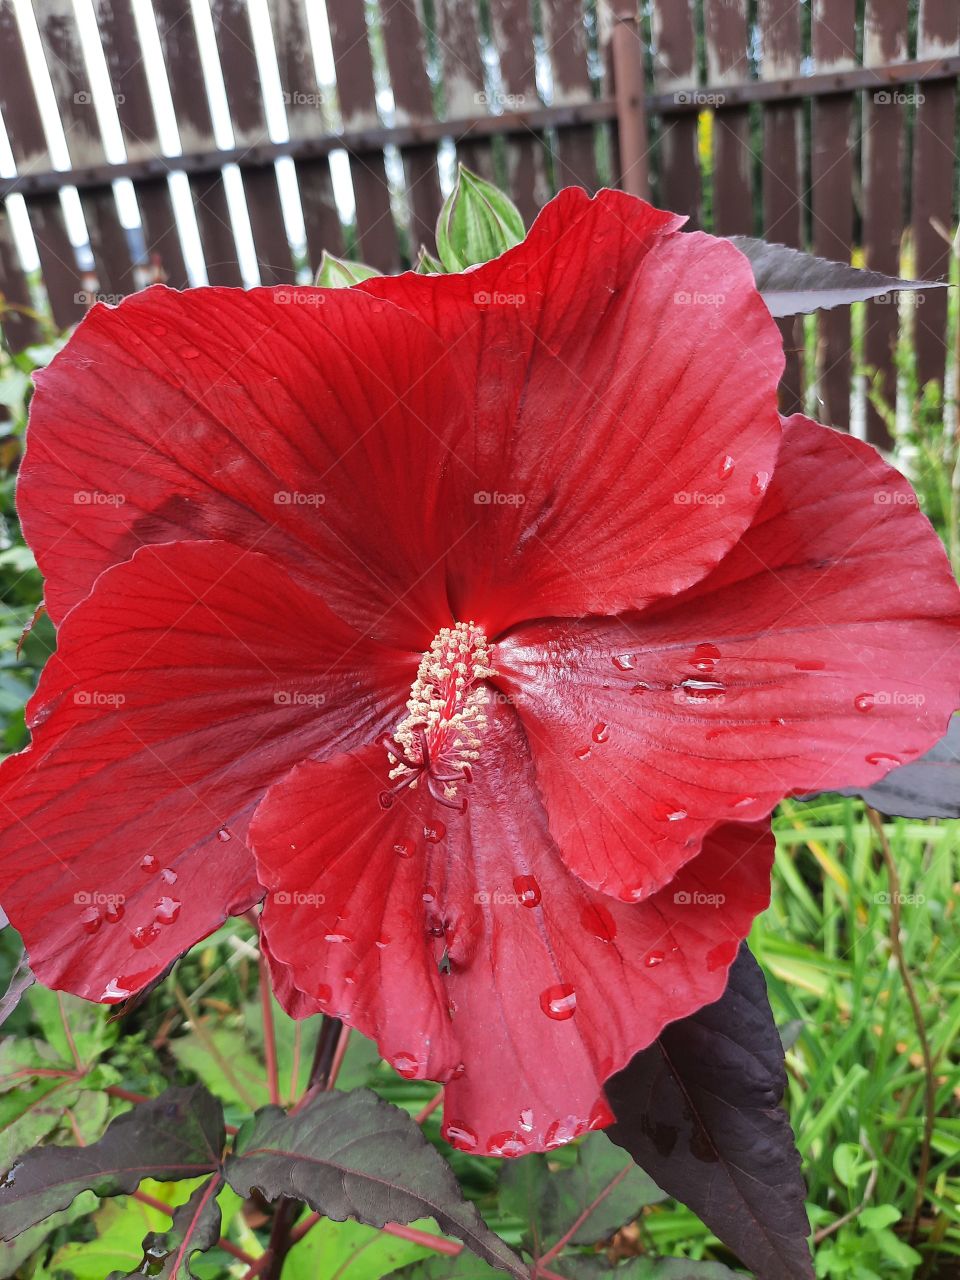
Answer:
(631, 105)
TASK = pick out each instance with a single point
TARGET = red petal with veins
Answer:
(194, 676)
(622, 380)
(823, 651)
(462, 944)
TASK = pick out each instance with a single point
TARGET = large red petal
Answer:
(311, 425)
(463, 945)
(822, 652)
(192, 677)
(623, 380)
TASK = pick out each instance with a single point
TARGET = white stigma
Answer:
(440, 736)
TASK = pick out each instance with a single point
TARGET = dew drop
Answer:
(601, 732)
(526, 1119)
(429, 893)
(114, 992)
(434, 832)
(10, 1177)
(90, 920)
(324, 993)
(460, 1135)
(640, 687)
(863, 702)
(113, 912)
(506, 1144)
(879, 758)
(383, 942)
(167, 910)
(559, 1134)
(625, 662)
(810, 664)
(598, 920)
(582, 753)
(559, 1002)
(168, 875)
(527, 890)
(223, 835)
(705, 657)
(144, 934)
(726, 467)
(158, 329)
(654, 958)
(336, 937)
(759, 482)
(703, 690)
(722, 955)
(406, 1065)
(668, 812)
(404, 848)
(189, 353)
(459, 1071)
(600, 1115)
(148, 863)
(741, 802)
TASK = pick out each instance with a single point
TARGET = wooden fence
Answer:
(828, 124)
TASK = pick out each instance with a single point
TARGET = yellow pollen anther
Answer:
(440, 735)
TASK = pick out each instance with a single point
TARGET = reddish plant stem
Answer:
(227, 1246)
(568, 1235)
(269, 1033)
(430, 1108)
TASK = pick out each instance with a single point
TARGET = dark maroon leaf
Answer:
(700, 1111)
(352, 1155)
(927, 788)
(794, 283)
(178, 1135)
(20, 982)
(194, 1229)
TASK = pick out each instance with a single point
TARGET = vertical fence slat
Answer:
(64, 57)
(726, 27)
(526, 163)
(241, 79)
(884, 40)
(376, 230)
(21, 115)
(458, 41)
(19, 328)
(782, 184)
(124, 58)
(305, 119)
(565, 34)
(675, 71)
(413, 99)
(834, 49)
(934, 162)
(181, 53)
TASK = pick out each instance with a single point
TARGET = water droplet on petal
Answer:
(168, 875)
(223, 835)
(167, 910)
(324, 993)
(640, 687)
(433, 832)
(527, 890)
(404, 848)
(600, 1115)
(144, 934)
(148, 863)
(459, 1071)
(759, 482)
(705, 657)
(114, 992)
(336, 937)
(158, 329)
(90, 920)
(506, 1144)
(863, 702)
(429, 893)
(665, 811)
(113, 912)
(406, 1065)
(810, 664)
(459, 1135)
(560, 1133)
(598, 920)
(582, 753)
(601, 732)
(526, 1119)
(189, 353)
(726, 467)
(625, 662)
(559, 1002)
(703, 690)
(879, 758)
(383, 942)
(654, 958)
(741, 802)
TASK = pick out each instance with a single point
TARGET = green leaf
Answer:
(477, 222)
(178, 1135)
(604, 1184)
(592, 1268)
(351, 1251)
(427, 264)
(462, 1267)
(354, 1155)
(879, 1216)
(13, 1253)
(195, 1228)
(341, 273)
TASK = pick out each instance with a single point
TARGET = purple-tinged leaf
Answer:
(178, 1135)
(20, 983)
(700, 1111)
(352, 1155)
(795, 283)
(194, 1229)
(927, 788)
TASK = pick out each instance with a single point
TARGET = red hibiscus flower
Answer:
(479, 622)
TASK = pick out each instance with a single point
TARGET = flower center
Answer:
(439, 737)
